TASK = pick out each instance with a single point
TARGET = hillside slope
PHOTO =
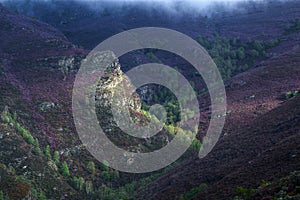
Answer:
(33, 64)
(37, 59)
(260, 140)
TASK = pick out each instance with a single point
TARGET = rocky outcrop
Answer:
(105, 93)
(106, 87)
(66, 64)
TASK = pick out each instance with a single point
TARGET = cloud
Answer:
(172, 7)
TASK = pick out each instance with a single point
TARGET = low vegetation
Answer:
(10, 120)
(243, 193)
(193, 192)
(285, 188)
(291, 94)
(1, 70)
(293, 27)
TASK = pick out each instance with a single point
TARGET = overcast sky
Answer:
(173, 6)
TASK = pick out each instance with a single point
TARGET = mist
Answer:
(170, 7)
(78, 19)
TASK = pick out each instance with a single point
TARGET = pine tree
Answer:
(1, 195)
(65, 169)
(56, 157)
(91, 167)
(89, 187)
(37, 149)
(48, 152)
(15, 116)
(81, 182)
(42, 196)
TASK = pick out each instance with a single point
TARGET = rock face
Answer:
(114, 76)
(105, 92)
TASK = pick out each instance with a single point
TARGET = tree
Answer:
(42, 196)
(105, 166)
(115, 174)
(1, 70)
(89, 187)
(15, 116)
(106, 175)
(27, 136)
(81, 182)
(193, 192)
(37, 149)
(65, 169)
(78, 183)
(34, 193)
(259, 46)
(243, 192)
(56, 157)
(48, 152)
(91, 167)
(254, 53)
(241, 53)
(1, 195)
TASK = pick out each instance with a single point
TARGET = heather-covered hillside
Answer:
(254, 44)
